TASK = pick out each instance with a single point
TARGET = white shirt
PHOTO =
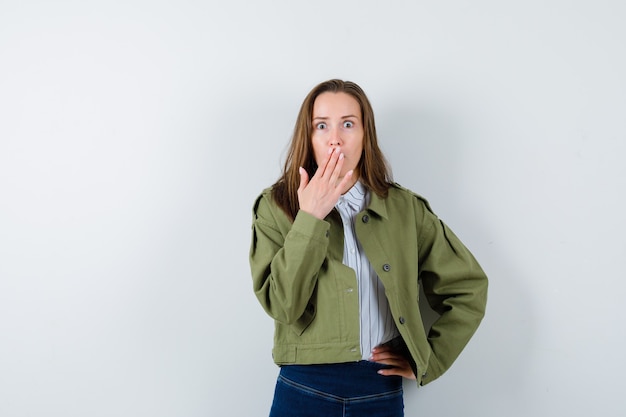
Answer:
(377, 324)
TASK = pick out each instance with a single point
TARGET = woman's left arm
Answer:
(455, 286)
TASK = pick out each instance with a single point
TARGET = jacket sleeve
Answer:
(455, 287)
(285, 260)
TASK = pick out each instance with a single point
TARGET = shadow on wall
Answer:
(425, 148)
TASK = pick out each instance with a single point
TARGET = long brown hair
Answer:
(374, 171)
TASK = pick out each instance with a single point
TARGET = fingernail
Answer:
(330, 150)
(340, 156)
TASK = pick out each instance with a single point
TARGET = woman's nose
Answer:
(335, 137)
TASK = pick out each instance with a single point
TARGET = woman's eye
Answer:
(348, 124)
(321, 125)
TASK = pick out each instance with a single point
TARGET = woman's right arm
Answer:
(285, 260)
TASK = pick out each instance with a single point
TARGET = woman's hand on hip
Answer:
(388, 356)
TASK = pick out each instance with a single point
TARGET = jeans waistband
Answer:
(350, 379)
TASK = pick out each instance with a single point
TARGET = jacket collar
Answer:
(378, 205)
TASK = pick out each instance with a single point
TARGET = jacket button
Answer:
(386, 267)
(327, 233)
(366, 218)
(401, 320)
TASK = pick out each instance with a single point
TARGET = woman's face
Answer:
(337, 124)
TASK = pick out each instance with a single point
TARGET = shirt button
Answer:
(401, 320)
(366, 218)
(386, 267)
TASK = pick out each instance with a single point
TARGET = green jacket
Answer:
(300, 280)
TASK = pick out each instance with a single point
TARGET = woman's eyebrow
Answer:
(343, 117)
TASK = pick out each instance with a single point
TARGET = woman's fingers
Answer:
(304, 179)
(330, 163)
(336, 170)
(399, 364)
(403, 371)
(345, 180)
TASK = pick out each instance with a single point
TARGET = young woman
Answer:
(338, 255)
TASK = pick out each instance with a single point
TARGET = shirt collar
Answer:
(355, 198)
(359, 198)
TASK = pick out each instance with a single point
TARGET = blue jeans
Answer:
(351, 389)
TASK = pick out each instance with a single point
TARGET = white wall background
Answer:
(134, 136)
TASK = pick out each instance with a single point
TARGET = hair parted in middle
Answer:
(373, 169)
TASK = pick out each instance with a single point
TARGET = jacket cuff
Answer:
(433, 371)
(308, 225)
